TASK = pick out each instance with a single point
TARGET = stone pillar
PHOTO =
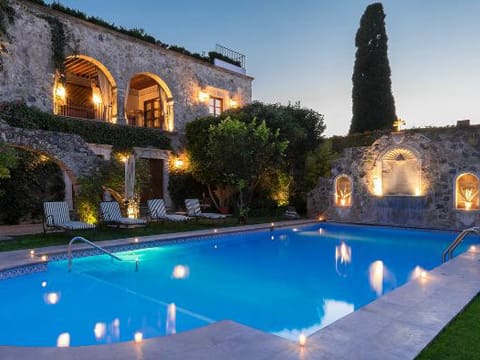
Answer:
(166, 194)
(121, 100)
(68, 189)
(130, 177)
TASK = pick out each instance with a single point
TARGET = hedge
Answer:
(121, 137)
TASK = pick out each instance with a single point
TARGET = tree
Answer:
(237, 154)
(373, 104)
(7, 160)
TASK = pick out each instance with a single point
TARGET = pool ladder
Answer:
(82, 239)
(448, 252)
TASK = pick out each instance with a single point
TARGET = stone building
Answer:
(110, 77)
(425, 178)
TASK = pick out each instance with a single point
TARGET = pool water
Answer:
(284, 282)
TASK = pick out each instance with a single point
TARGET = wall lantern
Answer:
(179, 163)
(233, 104)
(203, 96)
(60, 92)
(97, 100)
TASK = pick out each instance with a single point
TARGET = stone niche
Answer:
(426, 178)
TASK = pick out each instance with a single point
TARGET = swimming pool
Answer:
(284, 282)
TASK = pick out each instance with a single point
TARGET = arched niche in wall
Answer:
(401, 173)
(343, 190)
(466, 192)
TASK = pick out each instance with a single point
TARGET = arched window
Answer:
(466, 192)
(86, 90)
(149, 102)
(401, 173)
(343, 191)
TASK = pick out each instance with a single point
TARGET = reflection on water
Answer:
(376, 273)
(332, 311)
(418, 272)
(63, 340)
(51, 298)
(171, 319)
(180, 272)
(100, 330)
(343, 257)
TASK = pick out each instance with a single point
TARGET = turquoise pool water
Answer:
(283, 282)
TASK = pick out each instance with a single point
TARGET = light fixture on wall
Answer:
(203, 96)
(233, 104)
(97, 100)
(179, 163)
(60, 91)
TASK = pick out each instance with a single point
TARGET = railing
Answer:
(79, 238)
(448, 252)
(232, 54)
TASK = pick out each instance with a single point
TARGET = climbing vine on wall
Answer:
(58, 41)
(7, 16)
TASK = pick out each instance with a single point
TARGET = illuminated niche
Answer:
(400, 174)
(466, 192)
(343, 191)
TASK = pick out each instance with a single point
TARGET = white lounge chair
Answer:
(157, 211)
(111, 215)
(193, 210)
(57, 216)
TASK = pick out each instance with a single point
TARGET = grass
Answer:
(107, 233)
(460, 339)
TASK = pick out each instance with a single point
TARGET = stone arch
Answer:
(86, 90)
(69, 151)
(143, 88)
(466, 192)
(343, 189)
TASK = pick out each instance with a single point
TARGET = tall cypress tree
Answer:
(373, 105)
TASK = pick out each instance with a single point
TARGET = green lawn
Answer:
(460, 339)
(103, 233)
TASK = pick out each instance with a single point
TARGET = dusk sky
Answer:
(304, 50)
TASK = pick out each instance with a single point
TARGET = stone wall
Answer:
(70, 152)
(28, 70)
(443, 155)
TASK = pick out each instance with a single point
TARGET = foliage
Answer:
(182, 185)
(111, 177)
(135, 32)
(57, 35)
(373, 103)
(122, 137)
(32, 181)
(317, 163)
(301, 127)
(8, 160)
(239, 154)
(7, 14)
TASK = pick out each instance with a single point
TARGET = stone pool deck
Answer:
(396, 326)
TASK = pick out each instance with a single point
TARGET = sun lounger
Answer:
(193, 210)
(111, 215)
(57, 216)
(157, 211)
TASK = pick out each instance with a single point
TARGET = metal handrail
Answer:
(448, 252)
(79, 238)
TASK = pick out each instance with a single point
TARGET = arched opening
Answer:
(401, 173)
(343, 191)
(87, 90)
(149, 102)
(34, 179)
(466, 192)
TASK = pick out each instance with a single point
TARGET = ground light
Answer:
(302, 339)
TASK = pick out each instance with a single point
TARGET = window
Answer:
(215, 106)
(151, 113)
